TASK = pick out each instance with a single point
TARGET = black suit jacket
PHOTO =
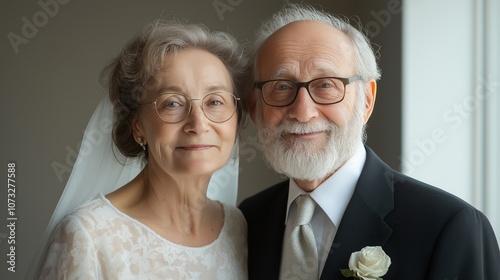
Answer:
(428, 233)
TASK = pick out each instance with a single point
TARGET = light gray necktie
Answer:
(302, 260)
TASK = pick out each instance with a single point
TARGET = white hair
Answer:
(364, 55)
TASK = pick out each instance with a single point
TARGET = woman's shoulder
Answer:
(232, 211)
(234, 221)
(97, 203)
(93, 213)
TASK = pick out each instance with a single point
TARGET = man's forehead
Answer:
(290, 55)
(300, 37)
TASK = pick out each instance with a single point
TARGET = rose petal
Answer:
(370, 262)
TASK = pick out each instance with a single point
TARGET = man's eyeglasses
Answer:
(174, 107)
(324, 90)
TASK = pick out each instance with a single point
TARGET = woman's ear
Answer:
(371, 94)
(137, 128)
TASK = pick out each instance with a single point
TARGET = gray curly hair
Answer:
(130, 74)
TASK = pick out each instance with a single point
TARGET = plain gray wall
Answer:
(49, 89)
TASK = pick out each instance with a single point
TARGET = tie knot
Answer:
(305, 210)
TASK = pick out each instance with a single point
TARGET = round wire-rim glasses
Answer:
(172, 108)
(323, 90)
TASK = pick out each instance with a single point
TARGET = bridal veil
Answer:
(101, 168)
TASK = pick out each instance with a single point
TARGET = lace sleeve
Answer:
(71, 254)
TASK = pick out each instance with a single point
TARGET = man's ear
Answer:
(371, 94)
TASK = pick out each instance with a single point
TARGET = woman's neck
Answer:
(176, 207)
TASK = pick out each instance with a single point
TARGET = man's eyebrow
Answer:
(278, 73)
(325, 70)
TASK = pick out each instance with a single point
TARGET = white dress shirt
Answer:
(332, 198)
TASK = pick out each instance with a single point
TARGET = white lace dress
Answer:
(97, 241)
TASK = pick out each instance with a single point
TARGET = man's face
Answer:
(305, 140)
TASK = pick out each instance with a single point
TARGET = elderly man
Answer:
(314, 78)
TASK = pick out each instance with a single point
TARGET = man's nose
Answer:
(303, 108)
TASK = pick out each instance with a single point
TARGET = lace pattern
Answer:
(97, 241)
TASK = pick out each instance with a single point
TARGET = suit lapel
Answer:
(362, 224)
(276, 230)
(265, 236)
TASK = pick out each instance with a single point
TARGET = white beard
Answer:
(300, 159)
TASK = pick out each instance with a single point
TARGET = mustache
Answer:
(294, 127)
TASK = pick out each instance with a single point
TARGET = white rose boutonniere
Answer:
(371, 263)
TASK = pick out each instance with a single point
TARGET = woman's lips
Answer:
(198, 147)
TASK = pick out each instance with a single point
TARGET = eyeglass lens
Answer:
(217, 107)
(323, 91)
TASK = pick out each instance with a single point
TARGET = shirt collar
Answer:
(334, 194)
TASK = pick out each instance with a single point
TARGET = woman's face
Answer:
(195, 145)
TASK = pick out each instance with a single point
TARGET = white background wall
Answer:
(450, 130)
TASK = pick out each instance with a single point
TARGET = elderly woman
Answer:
(175, 92)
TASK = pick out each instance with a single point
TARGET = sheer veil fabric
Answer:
(101, 168)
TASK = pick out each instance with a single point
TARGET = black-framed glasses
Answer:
(324, 90)
(175, 107)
